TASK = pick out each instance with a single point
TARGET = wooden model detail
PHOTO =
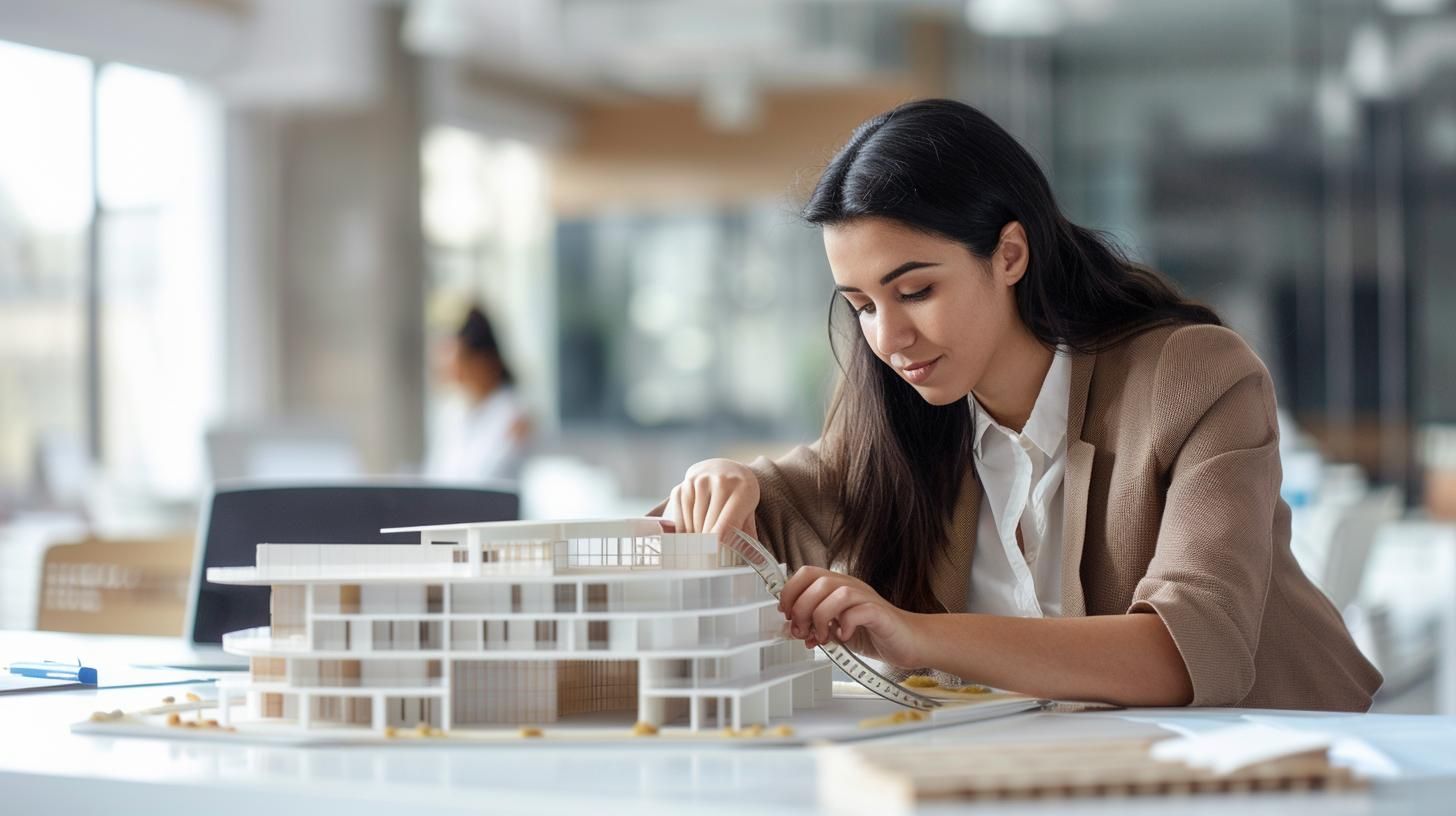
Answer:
(897, 778)
(519, 623)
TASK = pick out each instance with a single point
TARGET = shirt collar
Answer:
(1047, 425)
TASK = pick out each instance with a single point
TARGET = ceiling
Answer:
(732, 49)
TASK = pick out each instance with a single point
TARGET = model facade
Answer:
(516, 623)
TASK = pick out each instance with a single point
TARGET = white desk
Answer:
(43, 765)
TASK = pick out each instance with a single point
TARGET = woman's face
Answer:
(472, 371)
(929, 309)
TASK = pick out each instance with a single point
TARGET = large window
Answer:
(158, 271)
(108, 279)
(45, 212)
(711, 321)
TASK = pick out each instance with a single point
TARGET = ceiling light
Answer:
(1014, 18)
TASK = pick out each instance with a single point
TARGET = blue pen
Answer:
(52, 670)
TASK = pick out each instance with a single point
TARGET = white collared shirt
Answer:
(1021, 481)
(477, 442)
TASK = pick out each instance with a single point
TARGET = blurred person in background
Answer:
(1044, 469)
(481, 433)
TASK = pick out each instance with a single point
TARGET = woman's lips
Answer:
(919, 372)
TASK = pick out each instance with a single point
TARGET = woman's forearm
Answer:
(1122, 659)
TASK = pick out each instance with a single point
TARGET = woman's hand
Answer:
(824, 606)
(716, 496)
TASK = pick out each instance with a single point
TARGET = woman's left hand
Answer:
(824, 607)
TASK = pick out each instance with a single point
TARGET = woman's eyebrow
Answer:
(908, 266)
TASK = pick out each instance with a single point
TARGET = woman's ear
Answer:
(1012, 254)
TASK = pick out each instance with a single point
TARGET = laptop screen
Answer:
(241, 518)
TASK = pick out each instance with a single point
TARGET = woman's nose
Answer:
(892, 334)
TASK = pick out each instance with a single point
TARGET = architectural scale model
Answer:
(509, 624)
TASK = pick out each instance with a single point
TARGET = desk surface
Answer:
(43, 765)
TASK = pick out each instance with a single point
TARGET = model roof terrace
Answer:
(485, 550)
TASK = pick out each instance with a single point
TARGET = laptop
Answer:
(239, 516)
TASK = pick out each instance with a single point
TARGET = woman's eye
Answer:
(867, 308)
(921, 294)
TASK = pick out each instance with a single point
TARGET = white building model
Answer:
(515, 623)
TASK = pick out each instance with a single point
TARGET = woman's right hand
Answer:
(715, 496)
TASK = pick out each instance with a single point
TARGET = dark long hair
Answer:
(944, 168)
(477, 336)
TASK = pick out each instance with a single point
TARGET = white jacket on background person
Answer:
(483, 441)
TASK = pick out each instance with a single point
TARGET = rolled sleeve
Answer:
(1211, 571)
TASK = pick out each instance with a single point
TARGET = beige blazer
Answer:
(1171, 507)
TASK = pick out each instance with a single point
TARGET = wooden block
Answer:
(896, 778)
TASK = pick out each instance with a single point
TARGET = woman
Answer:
(1044, 470)
(482, 436)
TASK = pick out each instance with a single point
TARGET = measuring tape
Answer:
(853, 665)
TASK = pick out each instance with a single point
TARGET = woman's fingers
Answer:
(801, 616)
(856, 619)
(703, 494)
(735, 513)
(797, 583)
(715, 494)
(822, 617)
(718, 499)
(685, 508)
(672, 509)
